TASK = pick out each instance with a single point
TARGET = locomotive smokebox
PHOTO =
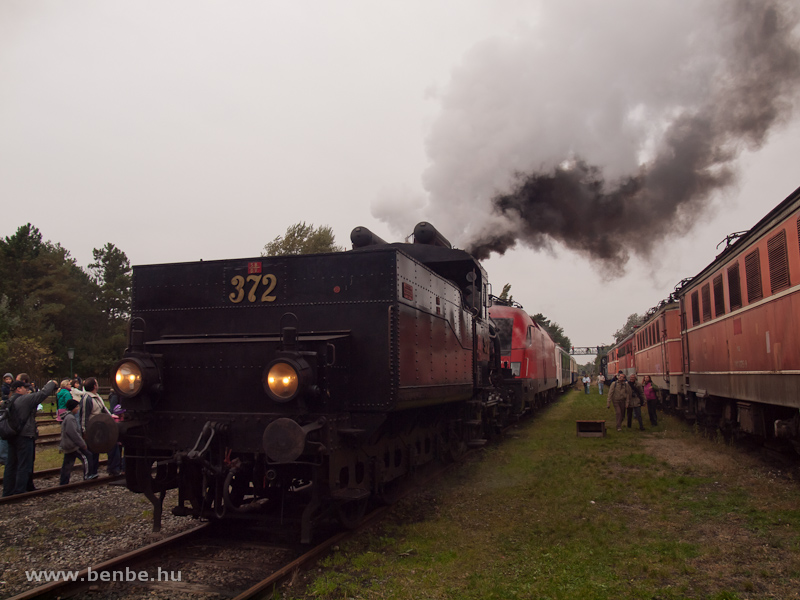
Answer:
(425, 233)
(362, 237)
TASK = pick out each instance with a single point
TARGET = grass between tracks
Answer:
(662, 514)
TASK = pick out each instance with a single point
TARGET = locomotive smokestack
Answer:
(362, 237)
(425, 233)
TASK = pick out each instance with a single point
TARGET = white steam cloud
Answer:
(604, 113)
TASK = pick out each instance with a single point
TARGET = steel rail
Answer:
(55, 471)
(59, 589)
(57, 489)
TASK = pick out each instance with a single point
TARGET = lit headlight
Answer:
(128, 379)
(282, 381)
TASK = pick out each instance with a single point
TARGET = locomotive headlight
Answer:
(286, 378)
(136, 376)
(128, 378)
(282, 380)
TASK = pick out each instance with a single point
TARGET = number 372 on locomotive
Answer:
(251, 287)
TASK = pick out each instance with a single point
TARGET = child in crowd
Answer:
(72, 443)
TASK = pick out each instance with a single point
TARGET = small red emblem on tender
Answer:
(254, 267)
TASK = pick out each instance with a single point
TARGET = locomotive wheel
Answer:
(351, 514)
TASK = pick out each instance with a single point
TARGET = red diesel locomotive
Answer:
(530, 354)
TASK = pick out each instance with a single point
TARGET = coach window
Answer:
(734, 288)
(752, 272)
(695, 309)
(705, 293)
(719, 299)
(798, 230)
(778, 262)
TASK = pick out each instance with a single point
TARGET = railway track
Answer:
(48, 439)
(209, 560)
(57, 470)
(59, 489)
(212, 560)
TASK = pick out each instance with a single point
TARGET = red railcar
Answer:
(741, 330)
(622, 357)
(527, 350)
(659, 353)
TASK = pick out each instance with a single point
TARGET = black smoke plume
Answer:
(754, 87)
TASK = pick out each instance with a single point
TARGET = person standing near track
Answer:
(636, 401)
(62, 397)
(619, 394)
(650, 396)
(600, 381)
(72, 444)
(18, 476)
(91, 404)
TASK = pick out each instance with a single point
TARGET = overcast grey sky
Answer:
(187, 129)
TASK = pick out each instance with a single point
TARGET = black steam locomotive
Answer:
(299, 388)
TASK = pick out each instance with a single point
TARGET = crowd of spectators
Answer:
(76, 402)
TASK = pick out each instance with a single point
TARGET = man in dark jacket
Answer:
(21, 449)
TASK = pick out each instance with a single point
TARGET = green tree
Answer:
(18, 253)
(29, 355)
(505, 295)
(302, 239)
(111, 271)
(632, 323)
(555, 331)
(49, 304)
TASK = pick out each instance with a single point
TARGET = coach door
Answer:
(662, 334)
(685, 344)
